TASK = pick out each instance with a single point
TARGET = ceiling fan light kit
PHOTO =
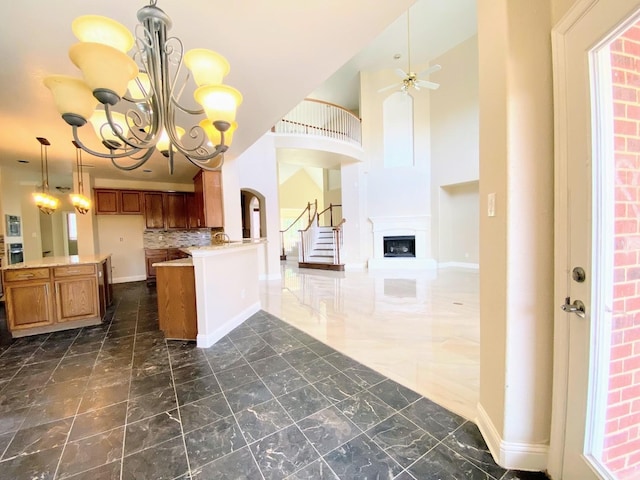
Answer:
(411, 79)
(154, 80)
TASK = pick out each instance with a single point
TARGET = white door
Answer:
(596, 431)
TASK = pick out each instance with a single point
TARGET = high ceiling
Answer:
(280, 51)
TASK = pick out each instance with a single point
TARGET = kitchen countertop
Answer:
(58, 261)
(180, 262)
(223, 247)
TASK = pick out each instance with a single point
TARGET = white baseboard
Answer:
(133, 278)
(205, 341)
(531, 457)
(474, 266)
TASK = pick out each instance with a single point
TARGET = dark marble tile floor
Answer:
(117, 401)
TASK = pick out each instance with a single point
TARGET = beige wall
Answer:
(458, 224)
(121, 236)
(297, 190)
(516, 246)
(454, 147)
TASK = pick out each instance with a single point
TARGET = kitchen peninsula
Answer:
(226, 289)
(56, 293)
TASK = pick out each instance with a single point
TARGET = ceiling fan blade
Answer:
(384, 89)
(401, 73)
(427, 84)
(431, 69)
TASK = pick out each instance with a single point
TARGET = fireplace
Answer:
(400, 246)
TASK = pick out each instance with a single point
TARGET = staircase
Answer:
(318, 246)
(321, 249)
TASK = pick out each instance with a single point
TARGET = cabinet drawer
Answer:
(26, 274)
(74, 270)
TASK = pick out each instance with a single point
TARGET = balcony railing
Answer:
(322, 119)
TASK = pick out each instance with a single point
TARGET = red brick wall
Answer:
(621, 452)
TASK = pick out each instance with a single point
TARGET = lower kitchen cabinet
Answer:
(28, 304)
(157, 255)
(46, 299)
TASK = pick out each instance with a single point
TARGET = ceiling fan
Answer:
(411, 79)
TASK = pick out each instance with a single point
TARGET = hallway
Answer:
(420, 329)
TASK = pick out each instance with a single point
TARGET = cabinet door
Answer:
(153, 209)
(193, 219)
(28, 305)
(106, 202)
(77, 298)
(175, 210)
(151, 257)
(198, 188)
(130, 202)
(208, 185)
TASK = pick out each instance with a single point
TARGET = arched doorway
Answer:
(254, 218)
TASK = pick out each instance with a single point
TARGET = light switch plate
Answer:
(491, 205)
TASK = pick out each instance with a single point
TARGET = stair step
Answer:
(322, 266)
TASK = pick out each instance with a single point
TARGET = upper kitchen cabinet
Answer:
(175, 210)
(117, 202)
(208, 199)
(154, 209)
(165, 210)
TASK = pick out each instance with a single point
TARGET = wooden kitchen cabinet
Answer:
(130, 202)
(28, 303)
(193, 219)
(175, 204)
(76, 290)
(165, 210)
(50, 298)
(151, 256)
(154, 209)
(117, 202)
(177, 312)
(208, 192)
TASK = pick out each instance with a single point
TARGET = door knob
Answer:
(576, 307)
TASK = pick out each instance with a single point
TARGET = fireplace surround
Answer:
(416, 226)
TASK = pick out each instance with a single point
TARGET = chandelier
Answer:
(138, 96)
(80, 202)
(44, 200)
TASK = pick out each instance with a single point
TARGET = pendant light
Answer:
(44, 201)
(78, 199)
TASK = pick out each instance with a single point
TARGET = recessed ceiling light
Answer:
(397, 56)
(23, 161)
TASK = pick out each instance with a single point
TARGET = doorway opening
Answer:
(254, 221)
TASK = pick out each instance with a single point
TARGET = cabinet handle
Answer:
(26, 275)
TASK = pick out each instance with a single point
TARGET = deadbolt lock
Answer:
(579, 274)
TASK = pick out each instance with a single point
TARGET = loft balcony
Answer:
(330, 135)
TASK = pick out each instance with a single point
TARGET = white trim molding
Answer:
(415, 225)
(512, 455)
(471, 266)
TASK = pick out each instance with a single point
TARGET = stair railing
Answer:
(337, 241)
(307, 238)
(310, 216)
(330, 209)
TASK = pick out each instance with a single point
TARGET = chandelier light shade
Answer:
(98, 29)
(138, 82)
(207, 66)
(108, 131)
(80, 202)
(71, 95)
(214, 135)
(43, 199)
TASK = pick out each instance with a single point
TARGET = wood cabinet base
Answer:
(176, 287)
(56, 327)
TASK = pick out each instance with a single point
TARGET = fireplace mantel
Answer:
(412, 225)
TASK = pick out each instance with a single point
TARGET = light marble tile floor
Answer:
(420, 329)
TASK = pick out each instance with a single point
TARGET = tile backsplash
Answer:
(177, 238)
